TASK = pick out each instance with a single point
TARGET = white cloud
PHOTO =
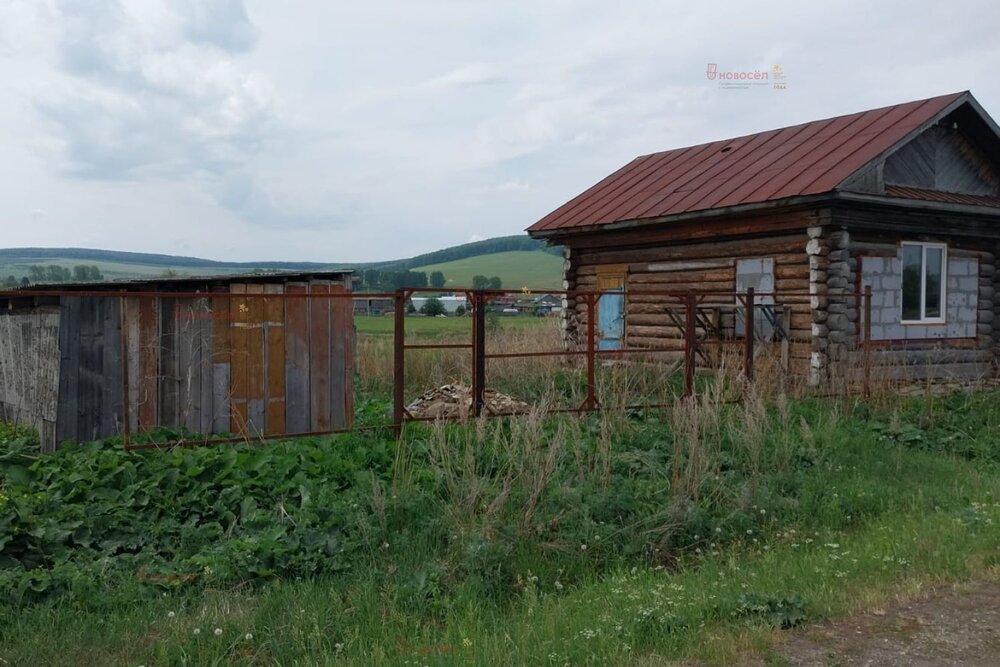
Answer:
(336, 132)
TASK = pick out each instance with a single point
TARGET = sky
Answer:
(329, 131)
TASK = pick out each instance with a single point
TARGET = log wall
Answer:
(700, 267)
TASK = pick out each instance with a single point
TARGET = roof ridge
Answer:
(954, 96)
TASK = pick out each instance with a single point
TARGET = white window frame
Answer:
(923, 282)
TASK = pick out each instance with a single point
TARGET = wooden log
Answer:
(798, 271)
(761, 247)
(727, 276)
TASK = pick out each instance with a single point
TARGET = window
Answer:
(923, 282)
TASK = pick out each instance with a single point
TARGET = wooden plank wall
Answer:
(697, 267)
(252, 364)
(91, 402)
(29, 371)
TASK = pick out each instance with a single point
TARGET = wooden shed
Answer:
(247, 355)
(903, 199)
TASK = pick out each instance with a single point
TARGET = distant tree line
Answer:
(10, 282)
(482, 282)
(54, 273)
(378, 280)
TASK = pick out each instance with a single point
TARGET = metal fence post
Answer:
(690, 343)
(867, 352)
(748, 342)
(478, 352)
(399, 357)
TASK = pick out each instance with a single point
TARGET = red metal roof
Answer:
(937, 195)
(806, 159)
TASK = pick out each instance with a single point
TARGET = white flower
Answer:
(170, 614)
(583, 547)
(197, 631)
(338, 647)
(558, 585)
(218, 632)
(248, 636)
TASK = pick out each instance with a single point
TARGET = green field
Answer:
(534, 269)
(435, 327)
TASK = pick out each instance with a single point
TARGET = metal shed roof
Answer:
(169, 283)
(807, 159)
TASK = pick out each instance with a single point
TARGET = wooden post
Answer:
(748, 334)
(399, 357)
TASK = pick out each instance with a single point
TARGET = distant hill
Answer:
(118, 265)
(517, 269)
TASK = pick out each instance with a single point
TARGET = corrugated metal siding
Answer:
(811, 158)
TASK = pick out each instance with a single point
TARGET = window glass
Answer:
(932, 282)
(912, 276)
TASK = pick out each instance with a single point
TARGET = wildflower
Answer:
(170, 614)
(583, 547)
(385, 545)
(248, 636)
(196, 631)
(467, 642)
(558, 585)
(218, 632)
(338, 647)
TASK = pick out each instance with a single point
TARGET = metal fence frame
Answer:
(479, 300)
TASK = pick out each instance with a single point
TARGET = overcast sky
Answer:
(334, 131)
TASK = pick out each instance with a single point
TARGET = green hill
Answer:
(535, 269)
(117, 265)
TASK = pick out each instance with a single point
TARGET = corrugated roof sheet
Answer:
(937, 195)
(806, 159)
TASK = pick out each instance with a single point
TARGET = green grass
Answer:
(437, 327)
(533, 269)
(697, 534)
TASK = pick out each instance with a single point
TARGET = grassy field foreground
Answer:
(702, 532)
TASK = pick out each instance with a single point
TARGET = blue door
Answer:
(611, 320)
